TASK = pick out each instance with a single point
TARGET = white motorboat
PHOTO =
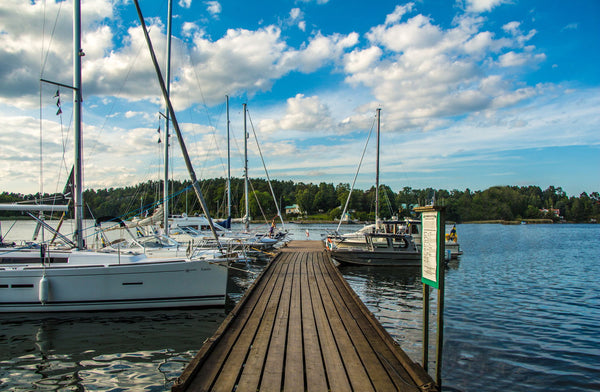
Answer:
(380, 249)
(392, 226)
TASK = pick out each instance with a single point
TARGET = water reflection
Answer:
(125, 350)
(102, 350)
(394, 295)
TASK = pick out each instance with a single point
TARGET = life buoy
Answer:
(329, 243)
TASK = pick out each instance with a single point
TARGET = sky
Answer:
(473, 93)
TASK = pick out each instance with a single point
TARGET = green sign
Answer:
(430, 248)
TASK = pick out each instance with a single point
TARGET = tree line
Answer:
(326, 201)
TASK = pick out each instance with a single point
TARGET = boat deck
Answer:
(300, 327)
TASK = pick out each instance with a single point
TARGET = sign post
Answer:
(432, 275)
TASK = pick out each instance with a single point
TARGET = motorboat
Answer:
(380, 249)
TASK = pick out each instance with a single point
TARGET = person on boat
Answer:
(452, 236)
(272, 229)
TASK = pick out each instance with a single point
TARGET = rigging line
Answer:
(42, 51)
(114, 101)
(204, 106)
(64, 141)
(135, 213)
(355, 176)
(41, 164)
(210, 122)
(44, 59)
(64, 150)
(258, 202)
(214, 133)
(266, 172)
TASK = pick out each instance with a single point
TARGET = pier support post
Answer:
(433, 222)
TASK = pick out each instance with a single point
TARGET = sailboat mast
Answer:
(186, 157)
(166, 141)
(247, 216)
(228, 163)
(377, 171)
(78, 181)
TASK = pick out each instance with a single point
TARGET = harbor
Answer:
(208, 196)
(514, 320)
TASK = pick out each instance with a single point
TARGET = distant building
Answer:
(293, 209)
(553, 211)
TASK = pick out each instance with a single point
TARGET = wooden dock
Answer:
(300, 327)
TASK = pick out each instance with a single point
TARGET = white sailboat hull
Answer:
(133, 284)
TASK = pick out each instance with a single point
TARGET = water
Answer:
(522, 313)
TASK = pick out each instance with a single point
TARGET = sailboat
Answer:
(44, 279)
(376, 247)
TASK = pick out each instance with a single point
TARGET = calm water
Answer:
(522, 314)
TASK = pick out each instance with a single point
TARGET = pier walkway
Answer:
(300, 327)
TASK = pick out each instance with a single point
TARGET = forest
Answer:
(326, 201)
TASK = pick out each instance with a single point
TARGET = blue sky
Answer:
(474, 93)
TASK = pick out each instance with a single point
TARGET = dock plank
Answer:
(242, 324)
(274, 364)
(301, 327)
(355, 369)
(332, 360)
(251, 368)
(294, 361)
(398, 364)
(313, 357)
(366, 349)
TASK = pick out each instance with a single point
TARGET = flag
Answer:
(59, 111)
(57, 94)
(69, 186)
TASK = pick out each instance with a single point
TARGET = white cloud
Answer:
(296, 14)
(190, 28)
(22, 45)
(398, 13)
(242, 61)
(514, 59)
(480, 6)
(296, 17)
(249, 61)
(321, 49)
(425, 73)
(313, 1)
(361, 60)
(512, 27)
(301, 114)
(213, 8)
(417, 32)
(185, 3)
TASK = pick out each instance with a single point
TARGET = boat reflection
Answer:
(103, 350)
